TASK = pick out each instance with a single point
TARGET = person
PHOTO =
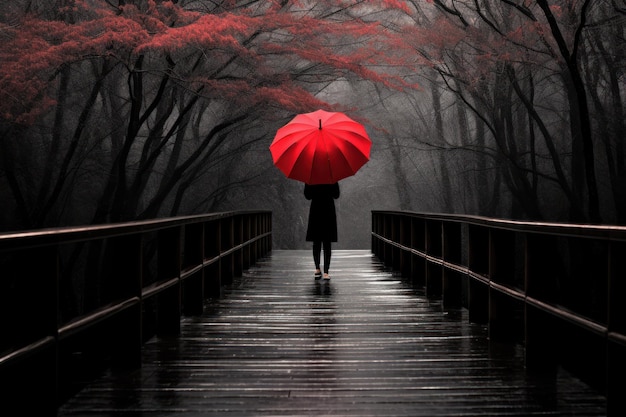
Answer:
(322, 226)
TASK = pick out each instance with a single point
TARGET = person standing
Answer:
(322, 226)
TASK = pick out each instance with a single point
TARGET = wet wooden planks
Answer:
(366, 344)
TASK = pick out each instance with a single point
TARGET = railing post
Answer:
(418, 243)
(268, 240)
(540, 277)
(126, 258)
(478, 291)
(452, 280)
(616, 343)
(193, 286)
(505, 312)
(212, 249)
(434, 272)
(255, 231)
(168, 267)
(226, 256)
(237, 240)
(387, 233)
(405, 241)
(377, 244)
(373, 238)
(247, 221)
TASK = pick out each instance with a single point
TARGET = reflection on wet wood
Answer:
(365, 344)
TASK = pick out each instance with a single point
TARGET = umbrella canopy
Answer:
(320, 147)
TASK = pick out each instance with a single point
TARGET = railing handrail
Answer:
(601, 231)
(42, 237)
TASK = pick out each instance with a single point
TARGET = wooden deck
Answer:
(365, 344)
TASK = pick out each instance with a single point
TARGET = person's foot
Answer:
(326, 276)
(318, 274)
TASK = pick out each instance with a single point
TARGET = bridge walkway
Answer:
(278, 343)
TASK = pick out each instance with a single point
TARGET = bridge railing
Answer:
(74, 301)
(558, 289)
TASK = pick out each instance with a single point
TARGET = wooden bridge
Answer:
(443, 317)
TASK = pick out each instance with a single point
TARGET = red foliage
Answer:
(224, 31)
(37, 47)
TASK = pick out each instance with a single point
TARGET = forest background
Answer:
(117, 110)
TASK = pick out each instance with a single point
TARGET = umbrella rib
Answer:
(325, 153)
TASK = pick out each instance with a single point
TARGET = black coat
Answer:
(322, 217)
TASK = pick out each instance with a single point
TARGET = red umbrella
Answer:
(320, 147)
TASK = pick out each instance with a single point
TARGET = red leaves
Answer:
(259, 47)
(396, 4)
(27, 62)
(224, 31)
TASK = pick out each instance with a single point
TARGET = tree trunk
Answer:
(580, 120)
(444, 171)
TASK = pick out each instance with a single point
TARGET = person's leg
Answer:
(327, 253)
(317, 249)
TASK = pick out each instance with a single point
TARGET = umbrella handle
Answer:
(320, 124)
